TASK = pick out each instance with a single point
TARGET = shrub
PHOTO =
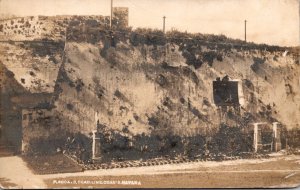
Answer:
(147, 36)
(229, 140)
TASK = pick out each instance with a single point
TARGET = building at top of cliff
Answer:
(120, 17)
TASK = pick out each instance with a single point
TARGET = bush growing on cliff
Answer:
(147, 36)
(75, 144)
(230, 140)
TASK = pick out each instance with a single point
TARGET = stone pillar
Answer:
(276, 137)
(94, 144)
(255, 137)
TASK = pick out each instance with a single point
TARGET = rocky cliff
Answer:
(144, 81)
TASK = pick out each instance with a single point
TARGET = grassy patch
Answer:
(50, 164)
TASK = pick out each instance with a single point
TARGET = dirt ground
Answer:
(14, 173)
(49, 164)
(279, 171)
(212, 179)
(273, 172)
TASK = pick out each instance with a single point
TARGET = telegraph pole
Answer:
(164, 24)
(111, 13)
(299, 29)
(245, 30)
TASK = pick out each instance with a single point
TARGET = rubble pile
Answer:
(163, 161)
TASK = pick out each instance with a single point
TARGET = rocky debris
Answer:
(166, 160)
(51, 164)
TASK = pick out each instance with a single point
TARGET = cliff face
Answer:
(150, 85)
(147, 88)
(125, 91)
(35, 64)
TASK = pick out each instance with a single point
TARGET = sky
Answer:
(274, 22)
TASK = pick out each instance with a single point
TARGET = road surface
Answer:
(279, 171)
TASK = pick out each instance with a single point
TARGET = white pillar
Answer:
(275, 129)
(275, 135)
(94, 144)
(255, 140)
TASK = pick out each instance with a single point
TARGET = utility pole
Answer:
(164, 24)
(299, 29)
(111, 13)
(245, 30)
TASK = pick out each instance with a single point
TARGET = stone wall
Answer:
(120, 17)
(37, 124)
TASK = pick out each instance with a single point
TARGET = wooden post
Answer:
(164, 24)
(245, 31)
(111, 13)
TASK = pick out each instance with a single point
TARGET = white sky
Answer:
(269, 21)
